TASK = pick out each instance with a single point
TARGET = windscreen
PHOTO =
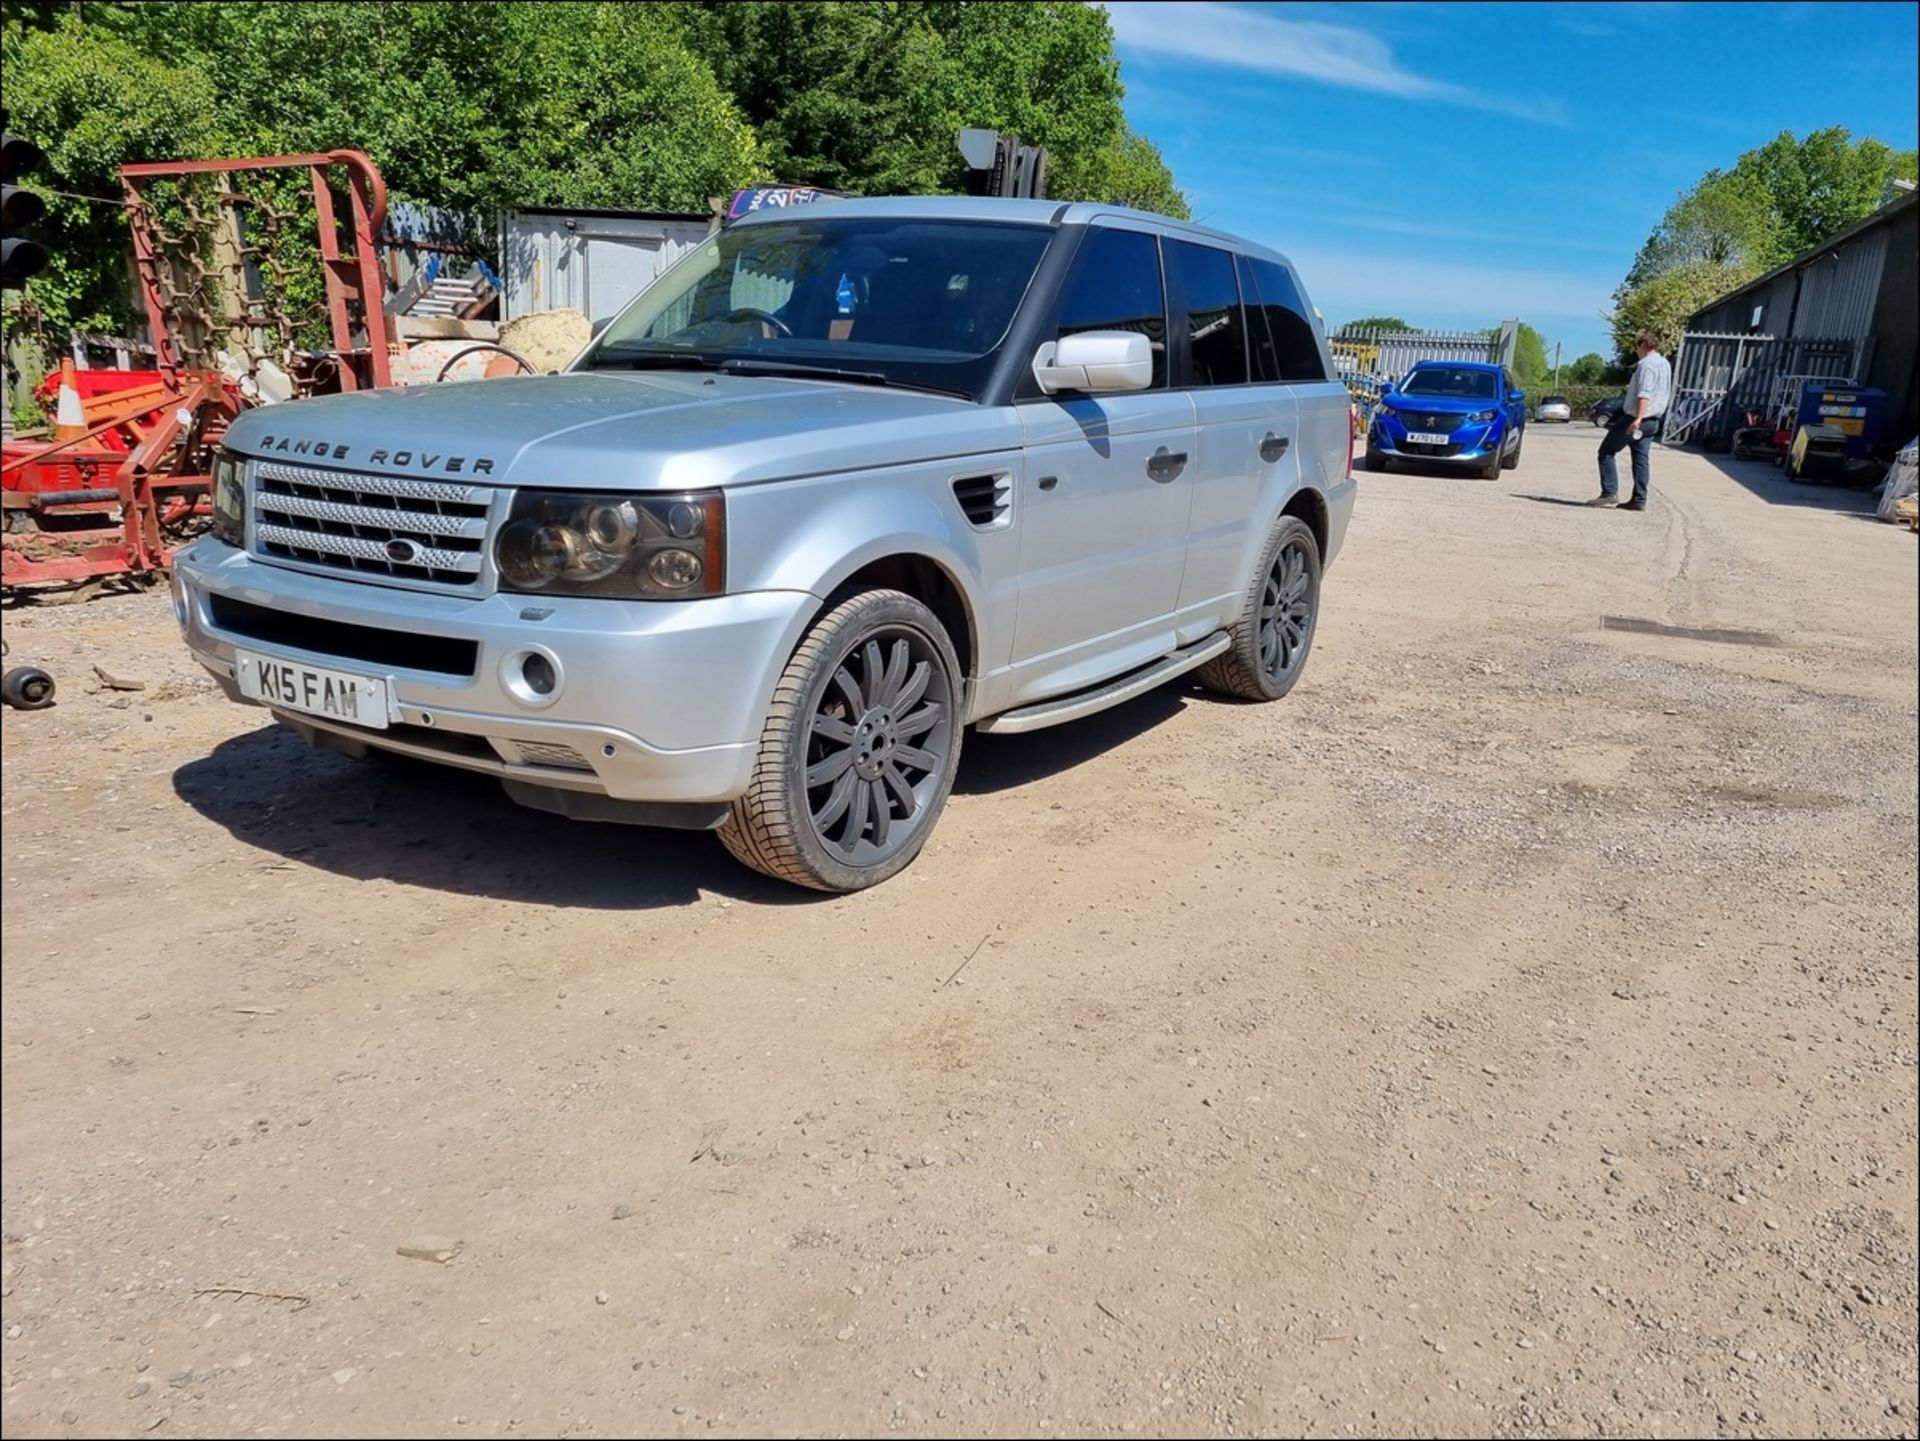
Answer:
(1456, 381)
(921, 303)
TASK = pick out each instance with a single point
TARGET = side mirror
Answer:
(1095, 362)
(599, 325)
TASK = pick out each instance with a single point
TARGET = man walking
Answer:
(1638, 422)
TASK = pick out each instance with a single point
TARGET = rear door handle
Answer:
(1273, 447)
(1165, 464)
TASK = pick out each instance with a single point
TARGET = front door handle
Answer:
(1165, 464)
(1273, 447)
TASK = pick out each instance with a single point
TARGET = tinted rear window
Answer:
(1216, 329)
(1296, 344)
(1260, 352)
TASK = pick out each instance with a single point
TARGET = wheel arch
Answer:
(928, 581)
(1310, 505)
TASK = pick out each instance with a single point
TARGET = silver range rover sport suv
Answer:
(843, 482)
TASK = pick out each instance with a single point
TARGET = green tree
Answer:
(612, 110)
(1045, 71)
(471, 106)
(870, 97)
(93, 102)
(1818, 186)
(1130, 172)
(474, 105)
(1377, 322)
(1589, 369)
(848, 96)
(1726, 219)
(1777, 201)
(1664, 303)
(495, 103)
(1530, 366)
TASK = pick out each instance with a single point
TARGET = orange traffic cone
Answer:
(69, 416)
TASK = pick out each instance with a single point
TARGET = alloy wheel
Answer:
(878, 741)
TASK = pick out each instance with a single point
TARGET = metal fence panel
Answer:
(1718, 378)
(1378, 355)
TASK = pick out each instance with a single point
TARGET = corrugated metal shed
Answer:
(1830, 291)
(1759, 308)
(1857, 287)
(1838, 288)
(589, 260)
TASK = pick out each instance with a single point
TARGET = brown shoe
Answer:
(1604, 500)
(1632, 505)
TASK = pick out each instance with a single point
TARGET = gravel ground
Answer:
(1511, 1032)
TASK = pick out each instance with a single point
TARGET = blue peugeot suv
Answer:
(1450, 412)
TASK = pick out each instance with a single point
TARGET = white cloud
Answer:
(1234, 36)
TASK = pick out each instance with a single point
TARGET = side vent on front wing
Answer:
(986, 500)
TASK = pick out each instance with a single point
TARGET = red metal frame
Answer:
(154, 450)
(347, 277)
(149, 498)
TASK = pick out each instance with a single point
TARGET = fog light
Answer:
(537, 671)
(532, 676)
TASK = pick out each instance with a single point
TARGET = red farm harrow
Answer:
(261, 283)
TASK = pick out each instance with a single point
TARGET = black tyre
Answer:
(1489, 469)
(1274, 634)
(27, 687)
(1376, 459)
(859, 748)
(1510, 462)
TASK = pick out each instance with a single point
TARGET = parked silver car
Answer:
(1554, 407)
(843, 482)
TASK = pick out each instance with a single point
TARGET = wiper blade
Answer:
(641, 358)
(785, 368)
(788, 370)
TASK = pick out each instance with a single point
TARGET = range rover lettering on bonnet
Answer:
(401, 459)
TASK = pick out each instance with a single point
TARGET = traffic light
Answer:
(20, 256)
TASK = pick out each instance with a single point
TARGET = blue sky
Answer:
(1457, 164)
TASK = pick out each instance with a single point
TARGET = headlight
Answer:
(230, 498)
(1382, 408)
(660, 547)
(1480, 417)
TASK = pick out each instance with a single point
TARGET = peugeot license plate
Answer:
(1427, 437)
(330, 694)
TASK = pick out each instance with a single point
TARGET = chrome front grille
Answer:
(431, 531)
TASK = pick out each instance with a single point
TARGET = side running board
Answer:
(1061, 709)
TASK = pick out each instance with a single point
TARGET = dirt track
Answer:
(1513, 1031)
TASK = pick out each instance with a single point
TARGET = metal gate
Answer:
(1388, 354)
(1718, 378)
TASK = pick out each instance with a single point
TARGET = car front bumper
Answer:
(655, 701)
(1466, 445)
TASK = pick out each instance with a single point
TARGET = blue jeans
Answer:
(1618, 438)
